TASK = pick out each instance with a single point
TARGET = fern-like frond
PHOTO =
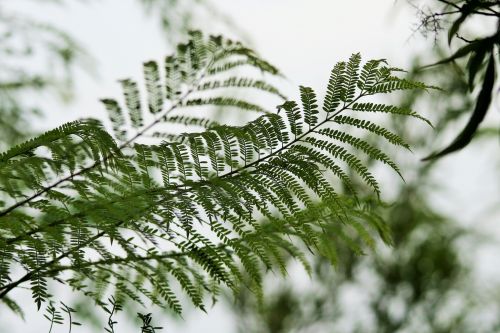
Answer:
(374, 107)
(373, 128)
(198, 67)
(308, 97)
(372, 152)
(197, 211)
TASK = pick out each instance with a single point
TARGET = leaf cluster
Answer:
(110, 214)
(480, 52)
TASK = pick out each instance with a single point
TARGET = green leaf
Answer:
(308, 98)
(465, 50)
(133, 102)
(456, 26)
(482, 105)
(475, 62)
(153, 86)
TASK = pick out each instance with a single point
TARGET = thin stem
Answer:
(297, 139)
(446, 13)
(124, 260)
(8, 287)
(51, 321)
(494, 14)
(459, 9)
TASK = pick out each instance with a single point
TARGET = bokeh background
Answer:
(443, 273)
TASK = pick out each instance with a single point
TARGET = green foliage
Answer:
(480, 52)
(53, 316)
(114, 215)
(146, 323)
(25, 41)
(424, 272)
(176, 18)
(113, 308)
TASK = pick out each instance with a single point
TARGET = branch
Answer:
(8, 287)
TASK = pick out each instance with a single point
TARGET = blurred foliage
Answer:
(422, 284)
(35, 57)
(480, 50)
(178, 17)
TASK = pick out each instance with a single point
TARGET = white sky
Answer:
(304, 39)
